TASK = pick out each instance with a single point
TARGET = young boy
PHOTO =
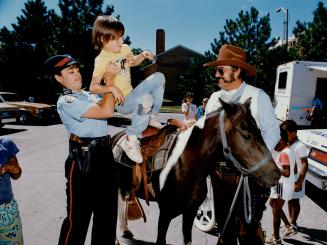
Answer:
(300, 172)
(145, 100)
(89, 169)
(283, 191)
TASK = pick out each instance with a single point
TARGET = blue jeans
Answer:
(142, 101)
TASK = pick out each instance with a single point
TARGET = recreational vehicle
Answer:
(298, 83)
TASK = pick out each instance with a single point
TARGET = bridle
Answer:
(244, 176)
(228, 153)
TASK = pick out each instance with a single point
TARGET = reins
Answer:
(244, 178)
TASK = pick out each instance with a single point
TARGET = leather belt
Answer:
(105, 140)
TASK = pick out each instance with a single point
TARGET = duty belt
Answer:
(105, 140)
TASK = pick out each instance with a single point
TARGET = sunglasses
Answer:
(221, 70)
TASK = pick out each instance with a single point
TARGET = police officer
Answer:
(89, 169)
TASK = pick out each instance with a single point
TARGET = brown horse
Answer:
(183, 180)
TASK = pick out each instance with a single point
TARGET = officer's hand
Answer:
(118, 95)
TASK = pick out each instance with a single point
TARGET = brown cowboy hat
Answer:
(233, 56)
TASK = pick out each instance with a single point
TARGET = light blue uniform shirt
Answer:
(72, 106)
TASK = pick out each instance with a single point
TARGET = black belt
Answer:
(104, 140)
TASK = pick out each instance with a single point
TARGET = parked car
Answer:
(29, 111)
(7, 112)
(316, 143)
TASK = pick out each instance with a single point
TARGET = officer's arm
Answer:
(103, 109)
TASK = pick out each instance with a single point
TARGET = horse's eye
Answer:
(247, 136)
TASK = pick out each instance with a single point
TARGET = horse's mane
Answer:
(181, 142)
(183, 137)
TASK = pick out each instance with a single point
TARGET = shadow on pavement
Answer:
(6, 131)
(134, 242)
(310, 235)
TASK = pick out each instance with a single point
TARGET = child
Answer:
(283, 191)
(10, 223)
(189, 110)
(300, 171)
(201, 109)
(145, 100)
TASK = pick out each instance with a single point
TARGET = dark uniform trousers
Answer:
(91, 189)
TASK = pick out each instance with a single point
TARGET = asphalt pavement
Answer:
(40, 193)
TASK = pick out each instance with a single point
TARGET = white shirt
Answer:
(261, 110)
(300, 152)
(191, 111)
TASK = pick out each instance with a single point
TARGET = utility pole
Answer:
(285, 23)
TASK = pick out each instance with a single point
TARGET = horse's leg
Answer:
(165, 218)
(188, 218)
(122, 220)
(251, 234)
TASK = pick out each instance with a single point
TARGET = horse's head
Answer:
(245, 143)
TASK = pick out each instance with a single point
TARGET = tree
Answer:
(253, 34)
(25, 48)
(312, 36)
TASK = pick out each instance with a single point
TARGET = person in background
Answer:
(189, 110)
(201, 109)
(283, 191)
(145, 100)
(300, 170)
(92, 184)
(11, 232)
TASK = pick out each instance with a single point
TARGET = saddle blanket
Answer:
(154, 162)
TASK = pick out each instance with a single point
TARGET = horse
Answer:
(180, 187)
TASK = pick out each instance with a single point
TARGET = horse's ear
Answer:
(247, 103)
(227, 107)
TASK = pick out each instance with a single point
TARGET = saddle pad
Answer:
(156, 162)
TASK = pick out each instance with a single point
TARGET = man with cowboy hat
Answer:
(231, 72)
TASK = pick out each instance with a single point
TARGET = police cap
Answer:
(57, 63)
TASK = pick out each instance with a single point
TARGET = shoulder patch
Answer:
(69, 98)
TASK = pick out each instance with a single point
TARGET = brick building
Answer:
(172, 63)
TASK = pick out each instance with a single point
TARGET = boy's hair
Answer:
(289, 126)
(283, 134)
(106, 28)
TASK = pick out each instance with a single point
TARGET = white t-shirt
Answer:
(192, 111)
(300, 152)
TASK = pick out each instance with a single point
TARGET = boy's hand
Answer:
(111, 71)
(147, 55)
(12, 167)
(130, 60)
(118, 95)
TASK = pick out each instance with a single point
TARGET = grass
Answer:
(171, 109)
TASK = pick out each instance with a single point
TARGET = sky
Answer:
(191, 23)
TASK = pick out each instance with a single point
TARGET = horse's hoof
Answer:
(128, 235)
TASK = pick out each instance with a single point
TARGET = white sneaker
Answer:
(154, 122)
(131, 146)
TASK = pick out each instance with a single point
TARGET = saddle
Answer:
(155, 148)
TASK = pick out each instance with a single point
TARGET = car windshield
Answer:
(10, 97)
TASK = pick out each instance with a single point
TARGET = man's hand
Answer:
(118, 95)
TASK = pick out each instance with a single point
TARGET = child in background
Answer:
(145, 100)
(189, 109)
(10, 224)
(283, 191)
(300, 170)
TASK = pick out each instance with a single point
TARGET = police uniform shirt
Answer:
(72, 106)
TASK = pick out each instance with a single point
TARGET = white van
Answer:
(316, 143)
(297, 84)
